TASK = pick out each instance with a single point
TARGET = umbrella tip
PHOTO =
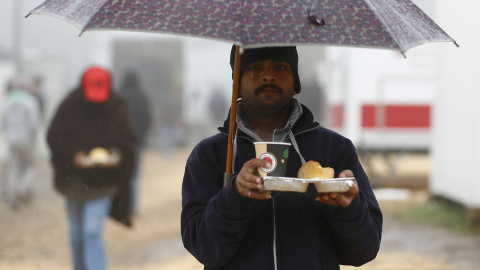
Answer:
(315, 21)
(404, 56)
(26, 16)
(81, 33)
(456, 44)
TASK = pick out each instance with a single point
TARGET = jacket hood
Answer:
(305, 122)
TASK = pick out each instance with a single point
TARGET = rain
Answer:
(411, 118)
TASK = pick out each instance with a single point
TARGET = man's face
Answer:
(266, 87)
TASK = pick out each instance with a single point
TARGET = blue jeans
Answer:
(86, 221)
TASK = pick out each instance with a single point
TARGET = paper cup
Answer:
(276, 154)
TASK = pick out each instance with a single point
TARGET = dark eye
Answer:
(255, 66)
(281, 66)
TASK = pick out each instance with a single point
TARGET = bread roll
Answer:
(313, 170)
(99, 154)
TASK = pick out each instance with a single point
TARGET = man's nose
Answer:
(269, 75)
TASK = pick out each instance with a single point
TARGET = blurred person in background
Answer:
(93, 144)
(20, 123)
(139, 107)
(218, 106)
(37, 91)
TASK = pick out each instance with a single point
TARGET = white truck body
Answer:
(379, 99)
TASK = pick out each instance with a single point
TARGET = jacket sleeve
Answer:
(35, 113)
(356, 229)
(214, 218)
(60, 142)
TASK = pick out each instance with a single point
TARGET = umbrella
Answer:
(387, 24)
(384, 24)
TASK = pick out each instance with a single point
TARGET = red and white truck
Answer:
(380, 100)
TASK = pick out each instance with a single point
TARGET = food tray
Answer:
(275, 183)
(88, 161)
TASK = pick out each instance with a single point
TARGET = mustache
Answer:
(265, 86)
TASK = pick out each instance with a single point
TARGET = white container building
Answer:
(456, 123)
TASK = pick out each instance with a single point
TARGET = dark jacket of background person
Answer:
(79, 125)
(138, 104)
(224, 230)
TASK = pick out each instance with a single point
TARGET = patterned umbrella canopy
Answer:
(387, 24)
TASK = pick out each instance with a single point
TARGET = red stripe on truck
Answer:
(336, 115)
(396, 116)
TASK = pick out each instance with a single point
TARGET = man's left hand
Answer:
(340, 199)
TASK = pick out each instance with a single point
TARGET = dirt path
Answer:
(35, 236)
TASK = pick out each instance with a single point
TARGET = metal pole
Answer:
(17, 35)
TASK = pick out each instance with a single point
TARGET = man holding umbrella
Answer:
(241, 227)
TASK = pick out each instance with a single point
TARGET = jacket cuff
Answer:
(235, 204)
(350, 213)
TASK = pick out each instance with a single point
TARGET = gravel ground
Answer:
(35, 236)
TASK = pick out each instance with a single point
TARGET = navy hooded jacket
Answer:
(224, 230)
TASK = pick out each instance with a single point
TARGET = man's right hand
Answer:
(81, 160)
(248, 183)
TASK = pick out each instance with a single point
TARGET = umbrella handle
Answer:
(233, 113)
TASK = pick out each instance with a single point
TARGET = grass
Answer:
(442, 213)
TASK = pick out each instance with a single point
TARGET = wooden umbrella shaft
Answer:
(233, 116)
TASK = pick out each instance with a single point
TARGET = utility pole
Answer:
(17, 35)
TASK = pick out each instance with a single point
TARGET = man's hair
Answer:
(283, 54)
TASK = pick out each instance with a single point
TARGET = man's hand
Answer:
(248, 184)
(340, 199)
(81, 160)
(114, 159)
